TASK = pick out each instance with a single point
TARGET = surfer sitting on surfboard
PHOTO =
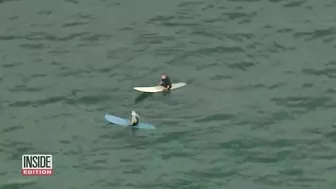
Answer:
(135, 119)
(165, 82)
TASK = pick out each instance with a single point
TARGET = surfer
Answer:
(165, 82)
(135, 119)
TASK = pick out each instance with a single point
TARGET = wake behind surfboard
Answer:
(156, 89)
(124, 122)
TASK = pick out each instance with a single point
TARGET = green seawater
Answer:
(258, 111)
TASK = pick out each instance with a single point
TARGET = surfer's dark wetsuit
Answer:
(165, 82)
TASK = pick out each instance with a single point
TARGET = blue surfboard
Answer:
(124, 122)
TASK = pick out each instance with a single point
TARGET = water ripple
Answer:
(258, 109)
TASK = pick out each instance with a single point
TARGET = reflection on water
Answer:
(142, 97)
(166, 93)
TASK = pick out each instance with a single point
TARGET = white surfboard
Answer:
(157, 89)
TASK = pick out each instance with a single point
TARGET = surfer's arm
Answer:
(167, 88)
(133, 121)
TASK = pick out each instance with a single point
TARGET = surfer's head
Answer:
(134, 114)
(163, 76)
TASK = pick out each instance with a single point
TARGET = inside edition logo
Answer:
(36, 165)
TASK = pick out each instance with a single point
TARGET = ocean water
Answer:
(258, 111)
